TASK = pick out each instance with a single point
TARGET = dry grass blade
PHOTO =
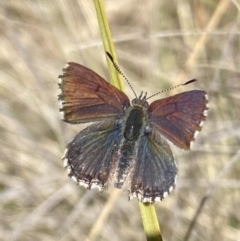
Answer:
(101, 220)
(201, 43)
(209, 192)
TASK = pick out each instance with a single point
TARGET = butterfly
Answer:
(127, 143)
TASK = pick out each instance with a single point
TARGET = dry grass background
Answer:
(154, 40)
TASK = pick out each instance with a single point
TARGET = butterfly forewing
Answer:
(154, 172)
(87, 97)
(179, 118)
(91, 156)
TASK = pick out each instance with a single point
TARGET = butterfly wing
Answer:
(153, 175)
(90, 156)
(86, 96)
(180, 117)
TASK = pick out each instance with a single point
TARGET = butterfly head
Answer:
(141, 101)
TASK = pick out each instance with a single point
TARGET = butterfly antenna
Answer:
(188, 82)
(120, 72)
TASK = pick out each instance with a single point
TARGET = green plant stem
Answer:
(116, 78)
(149, 218)
(150, 222)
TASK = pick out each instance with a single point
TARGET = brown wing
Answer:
(86, 96)
(180, 117)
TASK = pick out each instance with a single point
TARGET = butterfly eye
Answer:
(140, 102)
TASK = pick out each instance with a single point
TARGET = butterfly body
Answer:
(126, 143)
(134, 126)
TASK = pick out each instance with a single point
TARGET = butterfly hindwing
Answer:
(179, 118)
(154, 172)
(86, 96)
(90, 157)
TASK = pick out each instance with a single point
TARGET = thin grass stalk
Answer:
(148, 214)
